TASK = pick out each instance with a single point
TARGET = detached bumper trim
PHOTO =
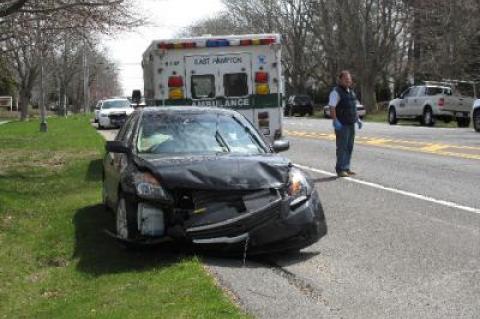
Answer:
(222, 240)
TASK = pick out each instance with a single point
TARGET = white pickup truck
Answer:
(434, 100)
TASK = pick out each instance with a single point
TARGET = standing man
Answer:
(343, 110)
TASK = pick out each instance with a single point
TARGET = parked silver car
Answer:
(361, 111)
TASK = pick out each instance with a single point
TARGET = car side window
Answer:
(125, 132)
(130, 128)
(405, 93)
(413, 92)
(421, 91)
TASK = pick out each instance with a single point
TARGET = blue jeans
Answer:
(345, 139)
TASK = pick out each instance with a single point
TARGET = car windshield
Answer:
(197, 133)
(302, 98)
(116, 104)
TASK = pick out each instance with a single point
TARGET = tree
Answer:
(359, 35)
(445, 39)
(29, 33)
(8, 7)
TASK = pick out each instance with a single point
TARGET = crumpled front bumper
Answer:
(273, 228)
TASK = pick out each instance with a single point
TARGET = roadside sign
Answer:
(6, 102)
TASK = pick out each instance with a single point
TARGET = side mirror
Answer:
(117, 147)
(281, 146)
(136, 96)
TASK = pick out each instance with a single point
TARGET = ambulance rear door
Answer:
(222, 80)
(236, 83)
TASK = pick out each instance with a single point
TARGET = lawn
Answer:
(56, 260)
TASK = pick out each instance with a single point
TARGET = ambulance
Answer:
(240, 72)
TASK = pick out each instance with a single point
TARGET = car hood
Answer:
(118, 110)
(218, 172)
(394, 101)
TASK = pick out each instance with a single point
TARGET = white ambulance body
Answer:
(241, 72)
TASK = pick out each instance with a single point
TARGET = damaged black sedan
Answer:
(206, 176)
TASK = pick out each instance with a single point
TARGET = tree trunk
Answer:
(63, 100)
(369, 100)
(24, 101)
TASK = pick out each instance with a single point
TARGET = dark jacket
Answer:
(346, 108)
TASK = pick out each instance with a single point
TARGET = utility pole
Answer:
(86, 102)
(84, 77)
(43, 120)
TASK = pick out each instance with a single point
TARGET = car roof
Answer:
(186, 109)
(115, 99)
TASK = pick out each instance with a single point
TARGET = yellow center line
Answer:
(461, 151)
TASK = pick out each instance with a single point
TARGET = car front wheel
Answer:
(476, 120)
(392, 116)
(126, 219)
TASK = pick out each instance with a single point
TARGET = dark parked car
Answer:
(299, 104)
(207, 176)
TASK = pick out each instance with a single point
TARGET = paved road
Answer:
(404, 235)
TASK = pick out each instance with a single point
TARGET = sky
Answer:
(167, 18)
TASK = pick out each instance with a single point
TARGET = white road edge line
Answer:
(396, 191)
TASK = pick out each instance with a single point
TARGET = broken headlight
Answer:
(148, 187)
(298, 187)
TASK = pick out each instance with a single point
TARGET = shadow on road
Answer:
(325, 179)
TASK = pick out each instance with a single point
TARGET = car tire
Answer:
(427, 117)
(325, 114)
(126, 225)
(476, 120)
(392, 116)
(463, 121)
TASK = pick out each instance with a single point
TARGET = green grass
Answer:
(55, 259)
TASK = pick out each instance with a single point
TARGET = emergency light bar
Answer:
(215, 43)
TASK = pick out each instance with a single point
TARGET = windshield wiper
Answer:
(221, 141)
(219, 138)
(253, 137)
